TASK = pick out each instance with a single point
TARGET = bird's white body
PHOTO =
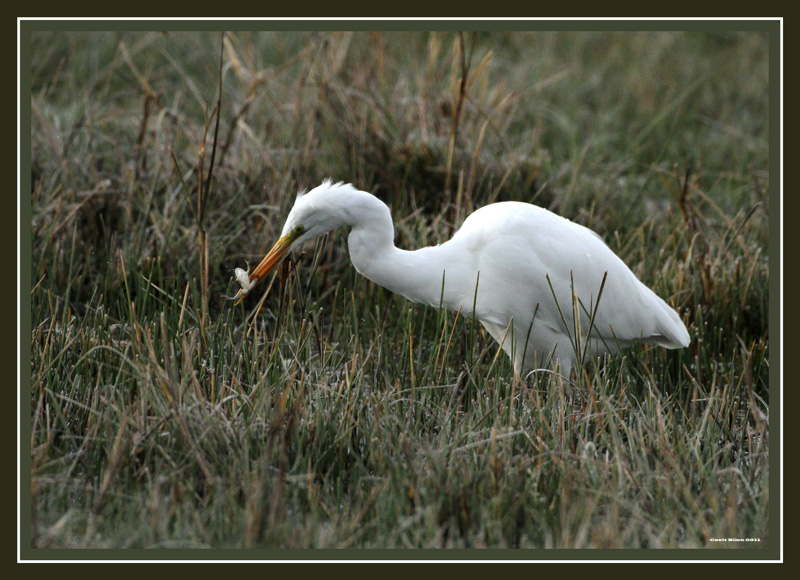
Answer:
(515, 265)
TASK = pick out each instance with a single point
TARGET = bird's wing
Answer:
(531, 260)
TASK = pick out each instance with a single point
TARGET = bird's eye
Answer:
(299, 230)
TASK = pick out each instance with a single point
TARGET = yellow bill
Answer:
(272, 259)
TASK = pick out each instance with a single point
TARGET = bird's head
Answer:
(314, 213)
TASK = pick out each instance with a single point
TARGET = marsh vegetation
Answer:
(328, 413)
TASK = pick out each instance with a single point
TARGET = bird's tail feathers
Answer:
(670, 331)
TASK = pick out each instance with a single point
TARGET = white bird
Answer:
(524, 270)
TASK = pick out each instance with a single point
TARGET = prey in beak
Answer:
(272, 259)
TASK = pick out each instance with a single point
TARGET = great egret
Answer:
(524, 270)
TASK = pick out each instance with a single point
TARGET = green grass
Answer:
(330, 413)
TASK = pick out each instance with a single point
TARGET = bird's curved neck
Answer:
(416, 275)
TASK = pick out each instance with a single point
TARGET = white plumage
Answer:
(516, 263)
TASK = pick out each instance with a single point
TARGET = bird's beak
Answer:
(272, 259)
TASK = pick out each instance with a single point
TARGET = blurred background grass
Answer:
(330, 413)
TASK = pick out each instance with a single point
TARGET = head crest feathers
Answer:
(328, 183)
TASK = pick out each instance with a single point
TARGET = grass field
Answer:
(329, 413)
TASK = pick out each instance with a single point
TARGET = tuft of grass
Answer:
(328, 413)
